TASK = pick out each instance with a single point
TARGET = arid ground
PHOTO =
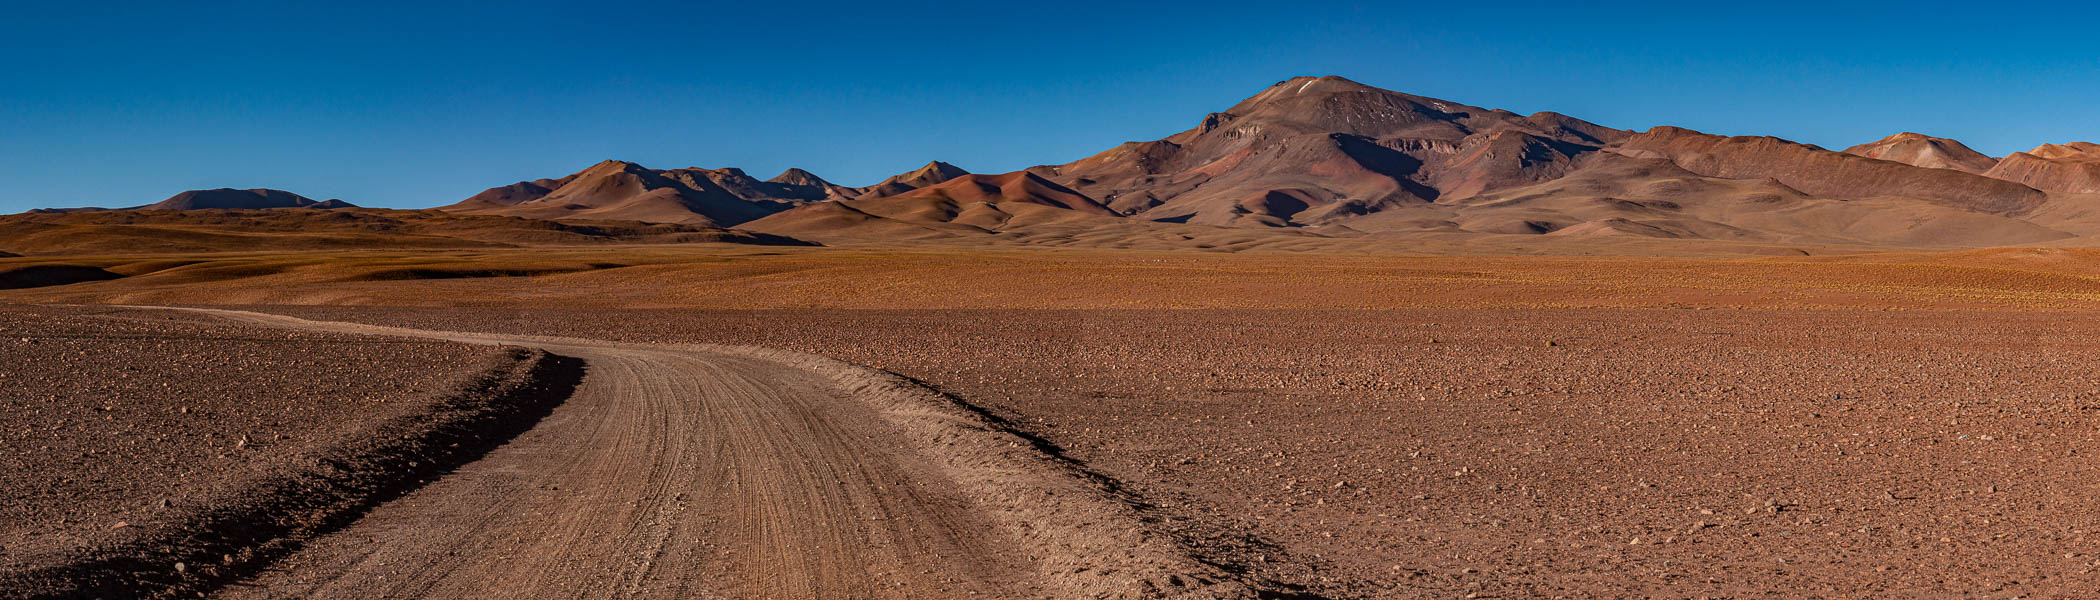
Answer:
(1521, 453)
(1326, 425)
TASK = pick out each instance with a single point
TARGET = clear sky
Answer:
(414, 104)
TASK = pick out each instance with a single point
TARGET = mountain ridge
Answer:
(1331, 157)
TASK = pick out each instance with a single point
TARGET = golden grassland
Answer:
(747, 277)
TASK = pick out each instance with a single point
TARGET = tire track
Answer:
(703, 471)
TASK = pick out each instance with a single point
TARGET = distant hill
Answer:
(221, 199)
(2072, 168)
(968, 203)
(627, 191)
(1920, 150)
(226, 198)
(1819, 172)
(933, 173)
(721, 197)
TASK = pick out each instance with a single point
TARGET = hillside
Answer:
(1920, 150)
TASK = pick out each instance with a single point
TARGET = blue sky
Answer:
(411, 105)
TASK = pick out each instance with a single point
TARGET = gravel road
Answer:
(694, 471)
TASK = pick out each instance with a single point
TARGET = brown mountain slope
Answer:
(1610, 195)
(800, 179)
(2072, 168)
(933, 173)
(1823, 173)
(619, 190)
(1504, 159)
(1920, 150)
(1322, 150)
(517, 193)
(1014, 208)
(1018, 186)
(2073, 150)
(981, 202)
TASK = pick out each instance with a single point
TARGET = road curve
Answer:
(724, 472)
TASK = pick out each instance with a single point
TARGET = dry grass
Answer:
(298, 230)
(728, 276)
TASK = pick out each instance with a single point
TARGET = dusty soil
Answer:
(721, 276)
(142, 439)
(111, 410)
(703, 471)
(336, 230)
(1577, 453)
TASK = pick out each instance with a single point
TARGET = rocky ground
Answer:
(121, 420)
(1518, 453)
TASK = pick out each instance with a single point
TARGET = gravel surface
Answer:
(122, 423)
(1513, 453)
(681, 471)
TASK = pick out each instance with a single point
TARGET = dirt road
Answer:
(693, 471)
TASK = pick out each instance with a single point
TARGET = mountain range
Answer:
(1326, 157)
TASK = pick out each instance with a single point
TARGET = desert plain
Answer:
(1292, 423)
